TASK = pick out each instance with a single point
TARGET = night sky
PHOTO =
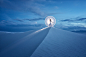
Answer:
(25, 15)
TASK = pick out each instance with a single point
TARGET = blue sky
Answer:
(25, 15)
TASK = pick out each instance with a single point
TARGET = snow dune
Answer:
(25, 46)
(7, 38)
(46, 42)
(60, 43)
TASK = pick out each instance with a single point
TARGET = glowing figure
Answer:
(50, 21)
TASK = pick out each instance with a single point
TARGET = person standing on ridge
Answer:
(50, 22)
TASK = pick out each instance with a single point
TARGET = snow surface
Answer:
(60, 43)
(24, 47)
(46, 42)
(7, 38)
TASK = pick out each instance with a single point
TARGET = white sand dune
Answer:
(24, 47)
(7, 38)
(46, 42)
(60, 43)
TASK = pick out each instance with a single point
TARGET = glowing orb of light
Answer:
(50, 21)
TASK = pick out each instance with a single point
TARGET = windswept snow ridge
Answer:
(26, 45)
(60, 43)
(46, 42)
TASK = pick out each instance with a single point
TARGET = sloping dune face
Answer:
(46, 42)
(7, 38)
(60, 43)
(25, 45)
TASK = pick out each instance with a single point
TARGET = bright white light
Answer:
(50, 21)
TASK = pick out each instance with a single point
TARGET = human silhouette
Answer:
(50, 22)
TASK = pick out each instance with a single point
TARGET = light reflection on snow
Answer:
(41, 29)
(20, 41)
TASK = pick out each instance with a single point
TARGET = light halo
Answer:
(50, 23)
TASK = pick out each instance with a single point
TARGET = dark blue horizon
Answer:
(21, 16)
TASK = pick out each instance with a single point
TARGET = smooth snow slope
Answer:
(7, 38)
(24, 47)
(60, 43)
